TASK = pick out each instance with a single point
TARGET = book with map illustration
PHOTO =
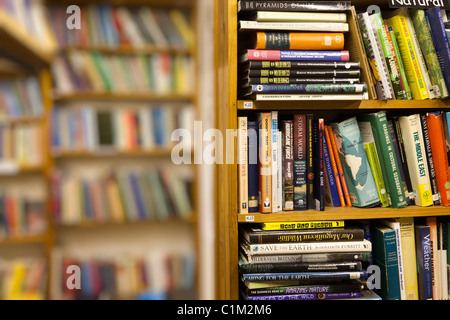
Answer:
(358, 175)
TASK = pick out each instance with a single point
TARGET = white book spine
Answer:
(274, 137)
(280, 172)
(242, 165)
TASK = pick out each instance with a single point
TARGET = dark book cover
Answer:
(319, 181)
(299, 267)
(288, 165)
(105, 128)
(424, 261)
(301, 65)
(310, 163)
(303, 73)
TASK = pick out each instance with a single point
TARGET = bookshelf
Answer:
(229, 107)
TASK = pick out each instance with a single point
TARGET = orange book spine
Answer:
(439, 155)
(348, 203)
(300, 40)
(334, 166)
(265, 162)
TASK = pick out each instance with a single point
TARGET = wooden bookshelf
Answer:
(229, 107)
(138, 96)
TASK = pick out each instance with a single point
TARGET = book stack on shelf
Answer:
(23, 279)
(156, 276)
(92, 128)
(119, 196)
(297, 52)
(409, 53)
(303, 261)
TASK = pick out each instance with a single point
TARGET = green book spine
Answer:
(429, 52)
(372, 156)
(388, 160)
(389, 57)
(400, 63)
(103, 70)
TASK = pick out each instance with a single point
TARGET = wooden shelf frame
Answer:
(228, 108)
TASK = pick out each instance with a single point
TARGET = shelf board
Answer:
(339, 105)
(144, 50)
(112, 153)
(20, 44)
(345, 213)
(20, 120)
(40, 238)
(138, 96)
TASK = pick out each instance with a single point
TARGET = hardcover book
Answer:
(301, 55)
(300, 156)
(319, 183)
(310, 163)
(424, 269)
(298, 41)
(301, 65)
(332, 179)
(361, 185)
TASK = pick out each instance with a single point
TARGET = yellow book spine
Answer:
(14, 291)
(411, 64)
(303, 225)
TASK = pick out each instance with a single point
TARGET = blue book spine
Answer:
(314, 55)
(55, 128)
(330, 176)
(137, 195)
(87, 201)
(424, 267)
(304, 275)
(309, 88)
(253, 166)
(319, 192)
(308, 296)
(437, 29)
(159, 124)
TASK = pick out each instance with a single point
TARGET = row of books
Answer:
(409, 53)
(412, 255)
(122, 195)
(363, 161)
(126, 276)
(135, 127)
(110, 26)
(21, 216)
(32, 17)
(286, 58)
(23, 279)
(78, 71)
(20, 97)
(22, 145)
(304, 261)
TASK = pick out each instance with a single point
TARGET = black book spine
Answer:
(299, 267)
(285, 80)
(308, 73)
(401, 149)
(302, 65)
(310, 161)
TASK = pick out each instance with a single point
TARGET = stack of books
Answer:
(303, 261)
(21, 97)
(120, 196)
(296, 51)
(409, 53)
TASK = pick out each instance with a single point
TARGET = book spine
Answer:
(291, 16)
(338, 179)
(294, 26)
(417, 165)
(429, 158)
(311, 97)
(304, 276)
(299, 41)
(264, 5)
(436, 283)
(265, 163)
(300, 178)
(423, 253)
(288, 165)
(409, 57)
(440, 40)
(302, 225)
(280, 171)
(309, 88)
(308, 55)
(304, 73)
(242, 146)
(389, 56)
(309, 296)
(285, 80)
(429, 52)
(310, 257)
(439, 154)
(299, 267)
(300, 65)
(275, 160)
(399, 61)
(310, 161)
(319, 192)
(253, 166)
(331, 288)
(331, 177)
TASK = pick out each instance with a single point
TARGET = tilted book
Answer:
(361, 185)
(331, 178)
(387, 157)
(341, 184)
(415, 158)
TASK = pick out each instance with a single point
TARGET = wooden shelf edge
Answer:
(40, 238)
(138, 96)
(111, 153)
(145, 50)
(345, 213)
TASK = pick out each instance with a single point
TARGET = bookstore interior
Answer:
(224, 150)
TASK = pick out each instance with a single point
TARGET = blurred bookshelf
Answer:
(89, 115)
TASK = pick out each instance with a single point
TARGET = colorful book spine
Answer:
(308, 88)
(304, 276)
(305, 73)
(300, 198)
(329, 288)
(265, 162)
(334, 157)
(436, 279)
(309, 296)
(274, 138)
(253, 166)
(331, 177)
(360, 182)
(242, 146)
(264, 5)
(303, 65)
(312, 55)
(388, 159)
(302, 225)
(429, 52)
(299, 41)
(310, 163)
(441, 44)
(415, 156)
(288, 165)
(409, 57)
(439, 154)
(389, 56)
(429, 157)
(424, 269)
(319, 184)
